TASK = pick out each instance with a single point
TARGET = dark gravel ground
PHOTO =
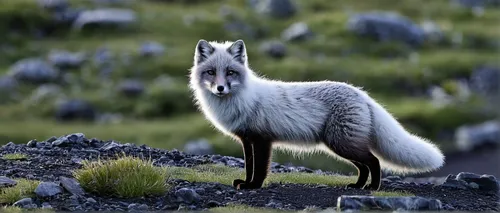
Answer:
(55, 157)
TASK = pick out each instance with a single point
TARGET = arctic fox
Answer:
(333, 117)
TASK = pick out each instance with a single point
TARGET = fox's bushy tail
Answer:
(398, 150)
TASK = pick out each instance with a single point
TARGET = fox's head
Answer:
(220, 68)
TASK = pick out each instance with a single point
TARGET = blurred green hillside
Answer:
(164, 116)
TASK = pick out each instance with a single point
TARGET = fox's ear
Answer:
(203, 51)
(238, 51)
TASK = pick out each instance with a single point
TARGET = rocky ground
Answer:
(52, 161)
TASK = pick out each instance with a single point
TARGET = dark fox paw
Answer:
(237, 182)
(372, 187)
(354, 186)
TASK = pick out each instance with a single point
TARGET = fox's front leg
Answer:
(262, 158)
(249, 168)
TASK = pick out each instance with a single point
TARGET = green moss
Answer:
(125, 177)
(14, 156)
(24, 188)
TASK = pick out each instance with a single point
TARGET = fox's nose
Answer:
(220, 88)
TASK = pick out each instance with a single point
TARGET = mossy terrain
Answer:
(164, 115)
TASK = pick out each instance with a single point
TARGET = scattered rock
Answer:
(355, 202)
(54, 5)
(485, 80)
(33, 70)
(432, 31)
(297, 32)
(131, 87)
(23, 203)
(187, 195)
(75, 109)
(138, 207)
(385, 26)
(47, 189)
(152, 48)
(276, 8)
(105, 17)
(477, 3)
(484, 182)
(275, 49)
(198, 147)
(466, 180)
(470, 137)
(6, 182)
(65, 59)
(71, 185)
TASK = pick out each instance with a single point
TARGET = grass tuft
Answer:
(14, 156)
(226, 175)
(124, 177)
(24, 188)
(392, 194)
(15, 209)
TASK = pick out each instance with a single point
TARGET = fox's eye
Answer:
(211, 72)
(231, 72)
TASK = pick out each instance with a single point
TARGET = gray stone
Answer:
(47, 189)
(138, 207)
(275, 49)
(46, 205)
(484, 182)
(33, 70)
(23, 202)
(65, 59)
(131, 87)
(276, 8)
(69, 139)
(71, 185)
(187, 195)
(110, 146)
(386, 26)
(297, 32)
(198, 147)
(54, 5)
(358, 202)
(477, 3)
(485, 80)
(152, 48)
(469, 137)
(75, 109)
(110, 16)
(6, 182)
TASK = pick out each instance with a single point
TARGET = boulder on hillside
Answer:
(105, 17)
(33, 70)
(386, 26)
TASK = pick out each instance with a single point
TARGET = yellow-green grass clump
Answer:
(125, 177)
(24, 188)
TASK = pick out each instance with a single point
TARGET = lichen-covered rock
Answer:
(131, 87)
(275, 49)
(33, 70)
(358, 202)
(65, 59)
(187, 195)
(485, 80)
(297, 32)
(386, 26)
(75, 109)
(101, 17)
(276, 8)
(152, 48)
(469, 137)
